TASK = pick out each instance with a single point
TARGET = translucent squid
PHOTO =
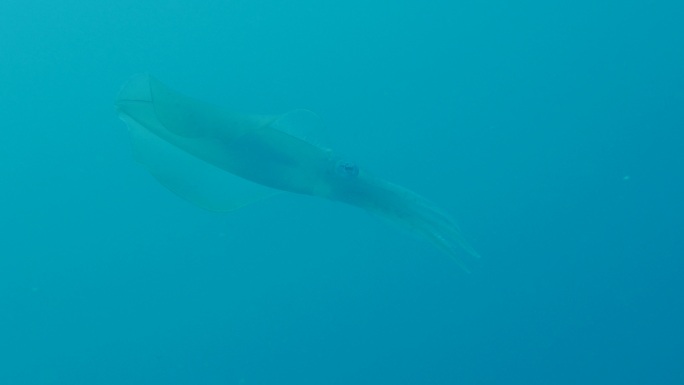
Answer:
(222, 160)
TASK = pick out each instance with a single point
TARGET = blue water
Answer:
(552, 131)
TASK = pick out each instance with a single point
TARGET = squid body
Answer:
(222, 160)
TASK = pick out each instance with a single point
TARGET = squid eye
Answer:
(346, 168)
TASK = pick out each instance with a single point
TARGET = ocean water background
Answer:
(552, 131)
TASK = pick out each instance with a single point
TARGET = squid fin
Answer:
(180, 171)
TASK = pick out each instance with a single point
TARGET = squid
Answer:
(222, 160)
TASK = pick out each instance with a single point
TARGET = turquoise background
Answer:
(552, 131)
